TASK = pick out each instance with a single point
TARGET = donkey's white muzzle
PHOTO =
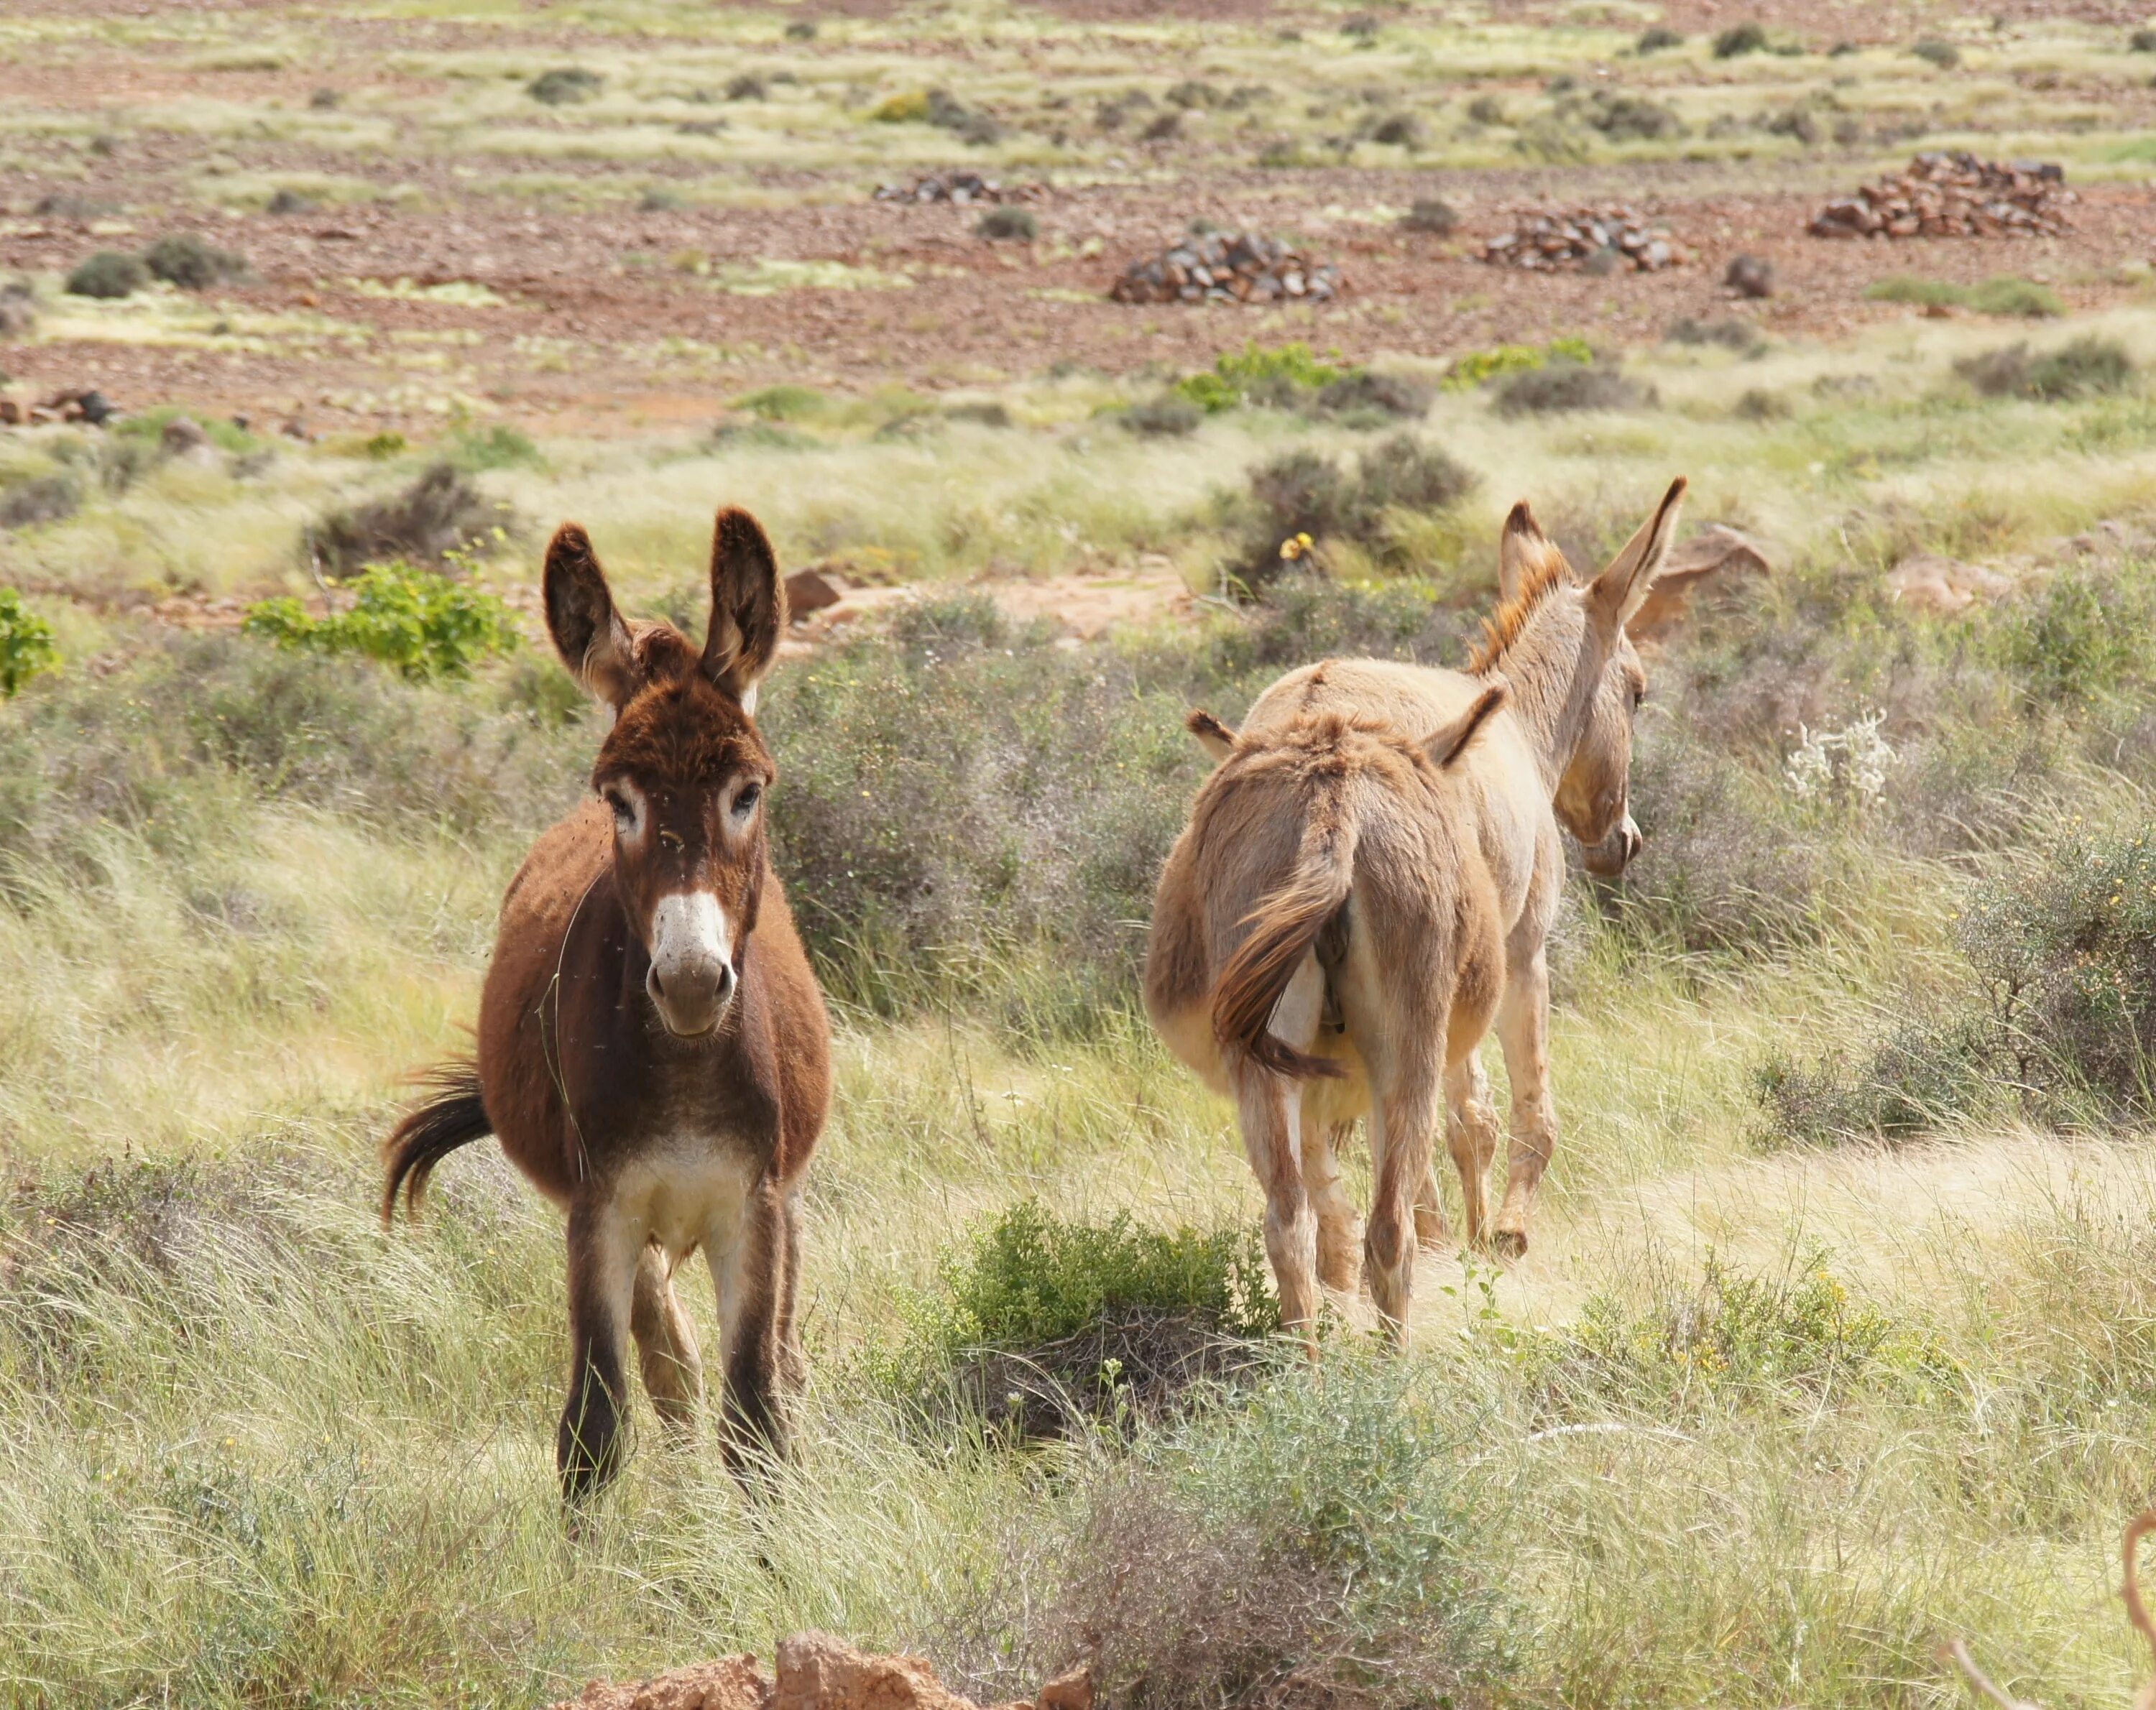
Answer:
(692, 978)
(1614, 853)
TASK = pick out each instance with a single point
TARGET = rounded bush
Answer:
(109, 274)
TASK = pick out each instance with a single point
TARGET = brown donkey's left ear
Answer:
(1622, 588)
(748, 606)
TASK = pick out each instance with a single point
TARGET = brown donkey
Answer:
(1365, 886)
(652, 1048)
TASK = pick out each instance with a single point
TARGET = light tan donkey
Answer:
(1365, 887)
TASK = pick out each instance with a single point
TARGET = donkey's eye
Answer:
(622, 811)
(1639, 699)
(744, 803)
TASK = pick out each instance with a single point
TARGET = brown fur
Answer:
(1363, 892)
(656, 1143)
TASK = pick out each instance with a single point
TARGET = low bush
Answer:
(1740, 38)
(1399, 130)
(1322, 1547)
(108, 274)
(2003, 294)
(2077, 638)
(43, 498)
(1375, 397)
(1301, 499)
(1433, 214)
(2088, 364)
(1934, 51)
(26, 644)
(1281, 376)
(1480, 367)
(439, 513)
(1007, 225)
(1732, 333)
(1657, 39)
(184, 260)
(1623, 118)
(747, 87)
(1919, 1077)
(565, 85)
(1168, 416)
(418, 623)
(496, 447)
(1040, 1323)
(1566, 385)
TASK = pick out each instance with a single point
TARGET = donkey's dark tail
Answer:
(455, 1115)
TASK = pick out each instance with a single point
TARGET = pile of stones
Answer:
(961, 187)
(1952, 194)
(1594, 240)
(1228, 267)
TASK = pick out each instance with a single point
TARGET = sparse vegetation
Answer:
(565, 85)
(184, 260)
(2082, 365)
(110, 274)
(1563, 385)
(26, 644)
(416, 622)
(440, 513)
(2003, 295)
(1740, 38)
(1008, 224)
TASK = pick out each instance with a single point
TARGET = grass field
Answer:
(1837, 1339)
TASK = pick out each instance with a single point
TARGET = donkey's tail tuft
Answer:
(1284, 928)
(454, 1115)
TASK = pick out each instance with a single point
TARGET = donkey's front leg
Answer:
(751, 1267)
(1523, 1032)
(604, 1252)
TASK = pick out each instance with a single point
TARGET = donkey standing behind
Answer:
(652, 1048)
(1366, 883)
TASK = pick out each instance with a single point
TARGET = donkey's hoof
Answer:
(1510, 1244)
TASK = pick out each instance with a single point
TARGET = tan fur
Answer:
(1363, 892)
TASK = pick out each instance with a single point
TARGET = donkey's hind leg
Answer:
(750, 1262)
(666, 1346)
(1270, 1109)
(604, 1255)
(1339, 1230)
(1470, 1134)
(1404, 1112)
(1523, 1031)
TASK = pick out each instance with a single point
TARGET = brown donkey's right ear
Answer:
(748, 606)
(594, 642)
(1215, 738)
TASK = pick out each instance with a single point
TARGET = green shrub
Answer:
(1008, 224)
(1281, 377)
(26, 644)
(416, 622)
(785, 402)
(2003, 295)
(1921, 1077)
(1799, 1337)
(497, 446)
(1303, 494)
(108, 274)
(1478, 367)
(1740, 38)
(1624, 118)
(2088, 364)
(1935, 52)
(2081, 635)
(1656, 38)
(564, 85)
(184, 260)
(2142, 41)
(1364, 397)
(1170, 416)
(1038, 1317)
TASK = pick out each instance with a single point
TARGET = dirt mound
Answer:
(1952, 194)
(1227, 267)
(1594, 238)
(816, 1671)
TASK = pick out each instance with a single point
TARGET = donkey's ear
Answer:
(1622, 589)
(588, 633)
(1524, 552)
(1447, 745)
(748, 606)
(1216, 738)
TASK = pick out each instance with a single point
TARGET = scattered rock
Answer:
(1599, 239)
(1716, 551)
(1952, 194)
(961, 187)
(1749, 276)
(813, 590)
(816, 1671)
(1227, 267)
(87, 404)
(183, 437)
(1946, 586)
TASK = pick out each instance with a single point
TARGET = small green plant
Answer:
(785, 402)
(2089, 364)
(1478, 367)
(1656, 39)
(387, 444)
(26, 644)
(1932, 51)
(498, 446)
(2142, 41)
(419, 622)
(564, 85)
(1740, 38)
(2003, 294)
(1168, 417)
(1280, 377)
(184, 260)
(1007, 225)
(110, 274)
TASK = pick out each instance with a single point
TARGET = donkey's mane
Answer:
(1544, 577)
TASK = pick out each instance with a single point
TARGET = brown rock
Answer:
(729, 1683)
(817, 1671)
(812, 590)
(1068, 1691)
(1715, 551)
(1946, 586)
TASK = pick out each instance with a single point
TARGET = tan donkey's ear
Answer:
(748, 606)
(1621, 589)
(588, 633)
(1524, 552)
(1447, 743)
(1216, 738)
